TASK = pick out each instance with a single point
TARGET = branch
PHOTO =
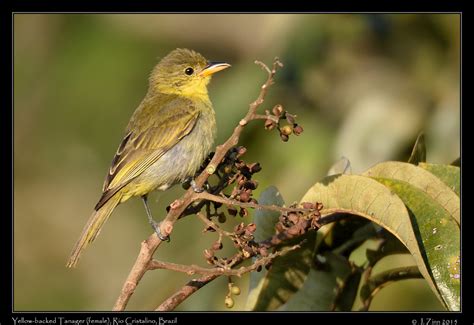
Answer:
(194, 285)
(211, 224)
(224, 200)
(195, 269)
(149, 246)
(186, 291)
(147, 249)
(381, 280)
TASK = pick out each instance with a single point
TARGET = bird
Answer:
(168, 137)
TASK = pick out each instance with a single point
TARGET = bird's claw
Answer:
(156, 227)
(196, 188)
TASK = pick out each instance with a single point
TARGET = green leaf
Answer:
(423, 180)
(286, 275)
(265, 221)
(365, 197)
(418, 154)
(449, 175)
(319, 291)
(439, 238)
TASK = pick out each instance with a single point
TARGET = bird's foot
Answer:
(196, 188)
(156, 227)
(190, 182)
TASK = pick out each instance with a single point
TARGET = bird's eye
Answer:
(189, 71)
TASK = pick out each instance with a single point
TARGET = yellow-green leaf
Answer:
(423, 180)
(364, 196)
(450, 175)
(265, 221)
(438, 236)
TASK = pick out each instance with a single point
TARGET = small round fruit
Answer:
(229, 302)
(235, 290)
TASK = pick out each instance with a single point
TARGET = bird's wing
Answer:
(138, 151)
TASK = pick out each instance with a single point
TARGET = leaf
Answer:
(439, 238)
(348, 292)
(342, 166)
(265, 221)
(287, 275)
(356, 238)
(332, 282)
(319, 290)
(423, 180)
(389, 246)
(418, 154)
(270, 289)
(449, 175)
(366, 197)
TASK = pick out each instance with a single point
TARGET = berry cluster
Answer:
(297, 223)
(273, 121)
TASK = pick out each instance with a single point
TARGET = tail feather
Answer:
(92, 229)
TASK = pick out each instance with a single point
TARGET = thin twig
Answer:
(227, 201)
(266, 117)
(182, 294)
(195, 269)
(211, 224)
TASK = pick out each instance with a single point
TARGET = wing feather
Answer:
(138, 151)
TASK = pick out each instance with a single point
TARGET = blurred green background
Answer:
(363, 86)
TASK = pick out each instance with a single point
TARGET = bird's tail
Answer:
(92, 228)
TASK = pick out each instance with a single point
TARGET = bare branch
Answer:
(148, 247)
(186, 291)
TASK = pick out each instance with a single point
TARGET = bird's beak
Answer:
(213, 67)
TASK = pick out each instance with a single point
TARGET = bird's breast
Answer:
(185, 158)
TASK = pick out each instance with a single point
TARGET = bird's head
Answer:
(184, 72)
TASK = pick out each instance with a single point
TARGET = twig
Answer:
(211, 224)
(186, 291)
(266, 117)
(195, 269)
(150, 245)
(381, 280)
(194, 285)
(227, 201)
